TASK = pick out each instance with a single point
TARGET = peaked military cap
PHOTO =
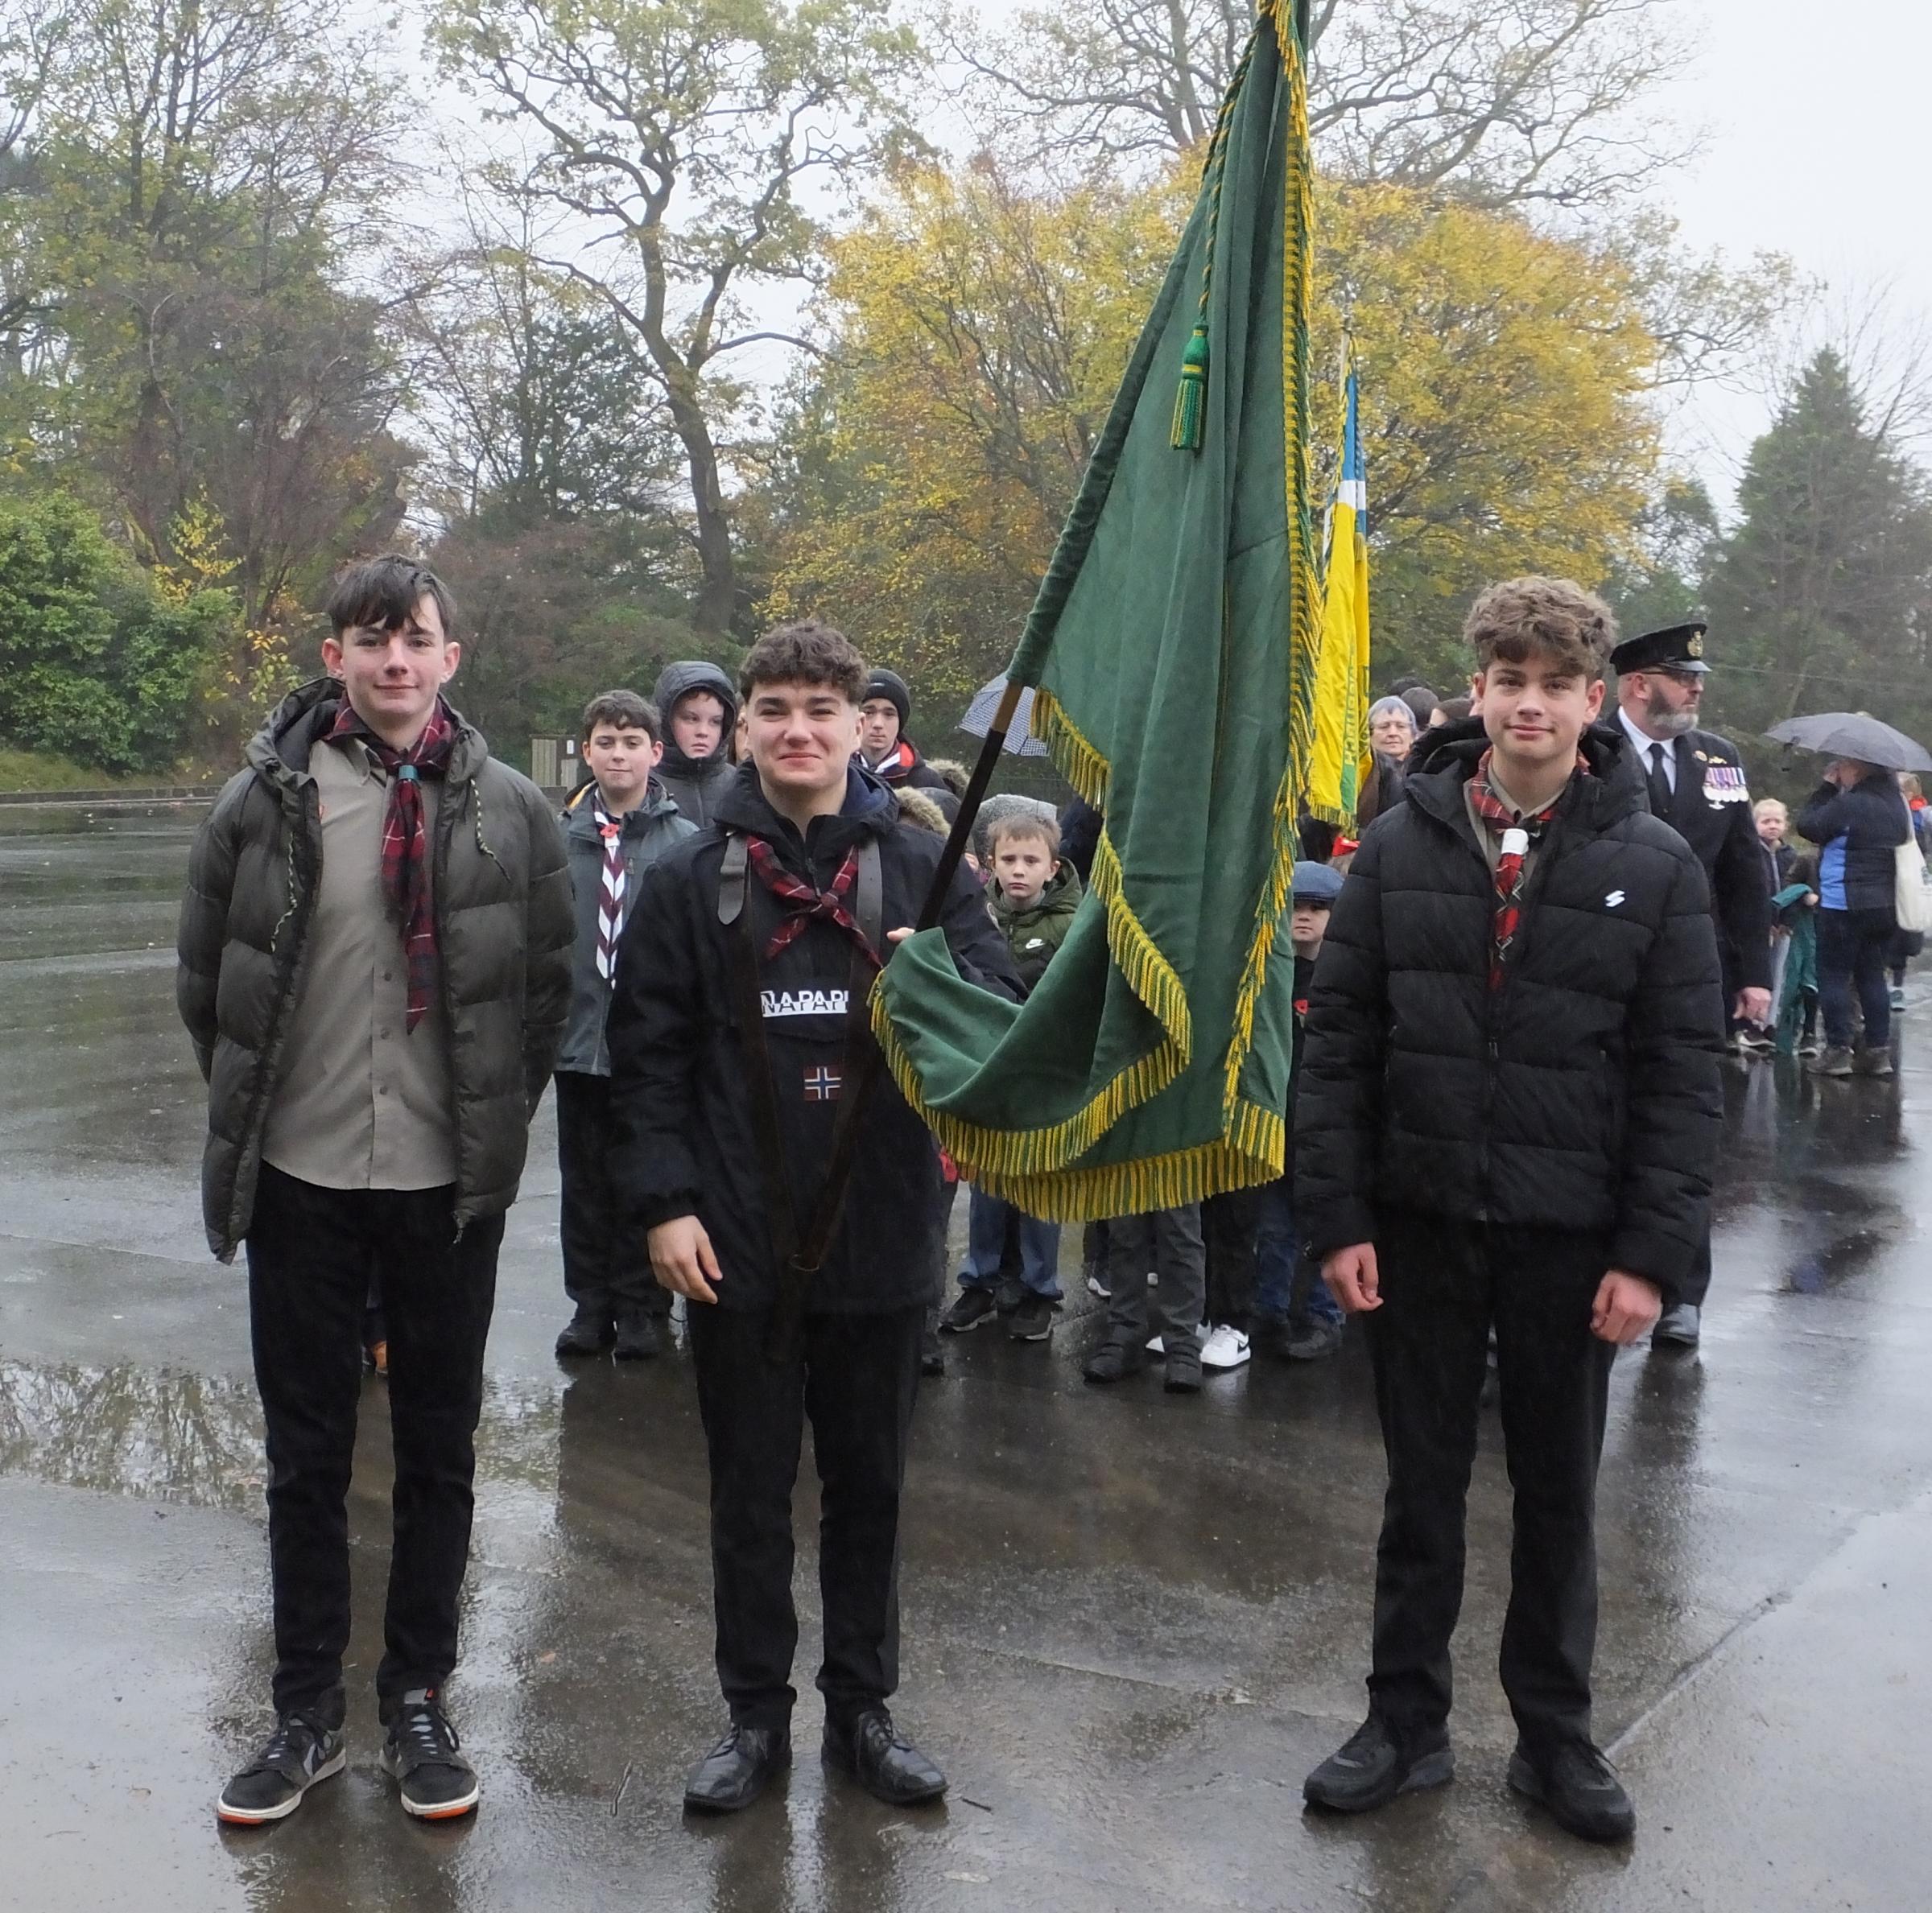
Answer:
(1676, 648)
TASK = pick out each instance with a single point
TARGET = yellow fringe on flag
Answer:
(1297, 309)
(1038, 1170)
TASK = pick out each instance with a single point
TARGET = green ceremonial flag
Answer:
(1173, 643)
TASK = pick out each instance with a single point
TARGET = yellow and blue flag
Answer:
(1338, 760)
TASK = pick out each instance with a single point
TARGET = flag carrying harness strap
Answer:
(800, 1254)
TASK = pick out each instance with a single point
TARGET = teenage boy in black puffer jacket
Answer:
(1508, 1113)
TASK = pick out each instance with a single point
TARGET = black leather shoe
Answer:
(738, 1768)
(639, 1336)
(588, 1333)
(1580, 1788)
(1377, 1763)
(1677, 1327)
(883, 1761)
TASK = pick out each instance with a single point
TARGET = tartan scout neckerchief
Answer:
(801, 903)
(611, 887)
(1502, 819)
(406, 841)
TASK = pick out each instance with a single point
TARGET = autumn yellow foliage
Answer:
(975, 332)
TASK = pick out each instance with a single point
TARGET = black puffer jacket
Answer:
(503, 930)
(1857, 832)
(680, 1101)
(695, 784)
(1584, 1095)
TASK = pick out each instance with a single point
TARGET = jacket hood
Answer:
(279, 751)
(920, 810)
(579, 813)
(870, 809)
(1445, 758)
(676, 681)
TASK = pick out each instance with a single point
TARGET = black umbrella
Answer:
(1853, 734)
(978, 720)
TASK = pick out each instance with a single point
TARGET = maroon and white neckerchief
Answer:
(611, 885)
(802, 902)
(1518, 830)
(405, 879)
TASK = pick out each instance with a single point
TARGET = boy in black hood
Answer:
(737, 1030)
(1508, 1113)
(698, 706)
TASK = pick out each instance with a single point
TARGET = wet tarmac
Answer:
(1132, 1622)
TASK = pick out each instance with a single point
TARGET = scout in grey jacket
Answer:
(648, 831)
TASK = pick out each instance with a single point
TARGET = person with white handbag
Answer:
(1858, 819)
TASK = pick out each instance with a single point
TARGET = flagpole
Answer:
(961, 832)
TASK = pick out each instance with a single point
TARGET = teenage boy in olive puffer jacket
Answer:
(375, 970)
(1508, 1114)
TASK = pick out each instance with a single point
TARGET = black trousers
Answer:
(310, 1253)
(606, 1266)
(1229, 1225)
(1443, 1285)
(855, 1380)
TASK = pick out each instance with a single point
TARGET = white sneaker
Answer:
(1154, 1278)
(1224, 1348)
(1095, 1286)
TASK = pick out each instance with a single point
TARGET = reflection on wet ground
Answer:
(1131, 1622)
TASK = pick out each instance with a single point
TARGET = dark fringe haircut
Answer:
(382, 594)
(626, 710)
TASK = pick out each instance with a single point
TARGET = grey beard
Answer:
(1661, 721)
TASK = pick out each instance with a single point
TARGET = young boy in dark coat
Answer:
(737, 1030)
(1508, 1114)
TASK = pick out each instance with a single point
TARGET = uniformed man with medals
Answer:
(1697, 785)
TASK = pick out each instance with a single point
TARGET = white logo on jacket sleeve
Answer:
(1613, 900)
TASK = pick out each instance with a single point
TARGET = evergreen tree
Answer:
(1821, 600)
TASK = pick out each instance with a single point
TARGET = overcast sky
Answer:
(1819, 120)
(1818, 123)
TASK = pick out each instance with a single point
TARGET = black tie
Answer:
(1660, 785)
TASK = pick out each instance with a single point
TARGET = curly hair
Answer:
(806, 652)
(1554, 619)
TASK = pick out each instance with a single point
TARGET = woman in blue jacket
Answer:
(1858, 819)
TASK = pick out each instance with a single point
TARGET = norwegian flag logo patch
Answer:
(822, 1084)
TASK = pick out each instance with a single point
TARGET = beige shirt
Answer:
(361, 1101)
(1490, 836)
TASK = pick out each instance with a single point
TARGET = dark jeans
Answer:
(1444, 1285)
(310, 1252)
(606, 1266)
(1287, 1288)
(1229, 1224)
(1852, 946)
(856, 1381)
